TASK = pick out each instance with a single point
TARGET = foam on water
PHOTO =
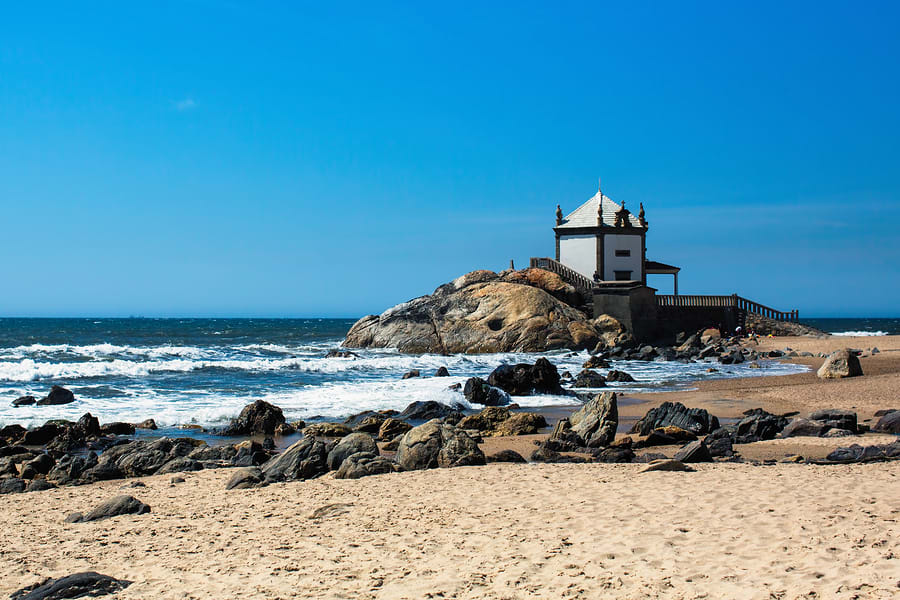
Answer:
(205, 371)
(859, 333)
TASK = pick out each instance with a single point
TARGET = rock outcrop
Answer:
(481, 312)
(840, 364)
(524, 379)
(57, 395)
(258, 417)
(695, 420)
(436, 444)
(596, 422)
(363, 464)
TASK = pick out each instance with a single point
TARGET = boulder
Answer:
(57, 395)
(24, 401)
(391, 428)
(524, 379)
(12, 485)
(12, 432)
(341, 354)
(429, 409)
(410, 374)
(88, 425)
(596, 422)
(563, 439)
(354, 443)
(665, 465)
(327, 430)
(710, 336)
(840, 364)
(804, 427)
(695, 452)
(487, 420)
(180, 465)
(521, 423)
(478, 391)
(720, 447)
(608, 329)
(589, 379)
(836, 418)
(695, 420)
(888, 423)
(140, 458)
(548, 281)
(619, 376)
(146, 424)
(436, 444)
(442, 372)
(39, 485)
(117, 428)
(305, 459)
(258, 417)
(507, 456)
(119, 505)
(857, 453)
(595, 362)
(78, 585)
(477, 313)
(758, 425)
(246, 478)
(363, 464)
(614, 455)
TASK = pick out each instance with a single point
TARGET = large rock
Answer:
(249, 477)
(596, 422)
(590, 379)
(695, 420)
(609, 330)
(888, 423)
(694, 452)
(363, 464)
(436, 444)
(758, 425)
(258, 417)
(836, 418)
(305, 459)
(425, 410)
(548, 281)
(57, 395)
(349, 445)
(524, 379)
(477, 313)
(140, 458)
(804, 427)
(486, 420)
(478, 391)
(839, 364)
(327, 430)
(24, 401)
(119, 505)
(391, 428)
(619, 376)
(521, 423)
(78, 585)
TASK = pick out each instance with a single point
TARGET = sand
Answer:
(507, 531)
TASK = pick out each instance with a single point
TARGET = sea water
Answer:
(203, 371)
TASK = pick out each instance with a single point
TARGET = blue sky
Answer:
(237, 159)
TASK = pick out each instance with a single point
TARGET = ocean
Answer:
(203, 371)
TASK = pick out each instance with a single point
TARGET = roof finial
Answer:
(599, 187)
(558, 215)
(600, 212)
(641, 216)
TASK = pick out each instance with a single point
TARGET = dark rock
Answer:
(140, 458)
(250, 477)
(24, 401)
(563, 439)
(12, 432)
(878, 413)
(67, 469)
(649, 457)
(88, 425)
(354, 443)
(13, 485)
(804, 427)
(666, 436)
(391, 428)
(146, 424)
(695, 452)
(618, 376)
(546, 455)
(207, 453)
(759, 425)
(427, 410)
(119, 505)
(41, 435)
(258, 417)
(840, 364)
(857, 453)
(410, 374)
(327, 430)
(595, 362)
(486, 420)
(78, 585)
(665, 465)
(442, 372)
(363, 464)
(695, 420)
(720, 447)
(341, 354)
(117, 428)
(39, 485)
(102, 472)
(436, 444)
(41, 464)
(304, 459)
(596, 422)
(614, 455)
(507, 456)
(524, 379)
(836, 418)
(888, 423)
(589, 379)
(57, 395)
(478, 391)
(180, 465)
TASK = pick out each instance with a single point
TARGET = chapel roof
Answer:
(586, 214)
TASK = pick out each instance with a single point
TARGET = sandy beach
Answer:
(727, 530)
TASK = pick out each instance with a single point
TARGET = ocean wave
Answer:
(859, 333)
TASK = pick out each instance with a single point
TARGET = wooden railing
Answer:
(732, 301)
(570, 276)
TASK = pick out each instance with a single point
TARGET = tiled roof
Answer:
(586, 214)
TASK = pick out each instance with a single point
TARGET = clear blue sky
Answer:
(229, 159)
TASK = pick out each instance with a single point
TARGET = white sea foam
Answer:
(859, 333)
